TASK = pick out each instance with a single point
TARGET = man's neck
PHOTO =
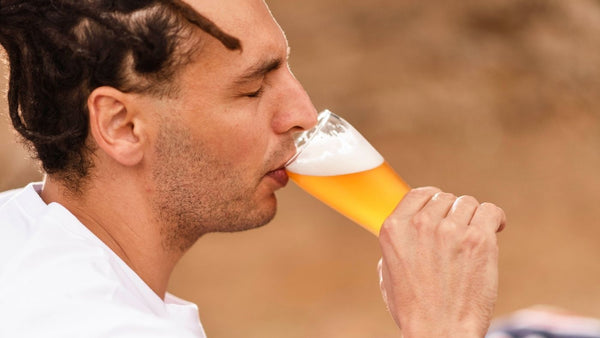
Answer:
(122, 220)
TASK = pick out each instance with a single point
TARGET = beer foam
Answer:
(339, 150)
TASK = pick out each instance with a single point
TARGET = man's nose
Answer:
(296, 111)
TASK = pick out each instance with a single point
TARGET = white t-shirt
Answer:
(57, 279)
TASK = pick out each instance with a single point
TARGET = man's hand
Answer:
(439, 274)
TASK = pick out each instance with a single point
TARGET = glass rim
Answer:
(309, 134)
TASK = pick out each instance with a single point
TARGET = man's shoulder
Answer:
(7, 195)
(47, 256)
(70, 291)
(94, 311)
(68, 300)
(21, 201)
(57, 279)
(43, 268)
(16, 222)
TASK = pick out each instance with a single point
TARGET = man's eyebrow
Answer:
(259, 70)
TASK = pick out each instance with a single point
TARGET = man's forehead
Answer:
(251, 22)
(263, 45)
(235, 17)
(261, 67)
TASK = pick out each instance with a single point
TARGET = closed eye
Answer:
(257, 93)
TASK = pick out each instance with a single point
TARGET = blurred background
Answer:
(497, 99)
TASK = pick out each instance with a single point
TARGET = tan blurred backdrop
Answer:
(498, 99)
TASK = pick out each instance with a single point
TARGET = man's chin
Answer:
(254, 219)
(245, 226)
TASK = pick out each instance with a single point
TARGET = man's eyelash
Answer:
(257, 93)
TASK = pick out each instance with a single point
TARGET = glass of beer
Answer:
(338, 166)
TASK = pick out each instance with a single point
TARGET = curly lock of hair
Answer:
(59, 51)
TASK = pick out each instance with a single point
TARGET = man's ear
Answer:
(116, 126)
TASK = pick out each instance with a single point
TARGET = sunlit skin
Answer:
(168, 170)
(209, 158)
(222, 174)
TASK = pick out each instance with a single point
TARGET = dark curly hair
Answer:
(61, 50)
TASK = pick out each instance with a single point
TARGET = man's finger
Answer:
(435, 210)
(414, 201)
(489, 217)
(462, 210)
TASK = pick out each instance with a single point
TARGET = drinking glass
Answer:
(338, 166)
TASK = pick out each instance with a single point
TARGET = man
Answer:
(160, 121)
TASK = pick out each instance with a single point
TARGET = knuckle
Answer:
(447, 228)
(385, 232)
(489, 206)
(389, 230)
(475, 237)
(443, 196)
(422, 192)
(448, 225)
(468, 200)
(421, 221)
(492, 208)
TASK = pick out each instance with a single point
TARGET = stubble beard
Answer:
(197, 194)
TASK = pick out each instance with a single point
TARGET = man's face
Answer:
(221, 145)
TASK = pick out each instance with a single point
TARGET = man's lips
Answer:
(279, 175)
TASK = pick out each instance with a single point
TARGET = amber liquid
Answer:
(367, 197)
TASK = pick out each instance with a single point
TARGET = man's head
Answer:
(222, 157)
(60, 51)
(205, 142)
